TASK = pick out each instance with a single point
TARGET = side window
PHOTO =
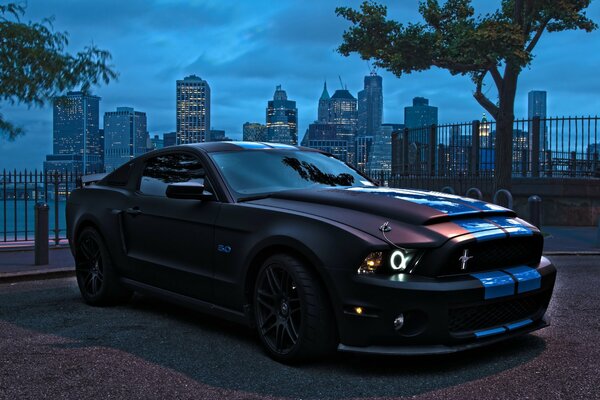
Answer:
(161, 171)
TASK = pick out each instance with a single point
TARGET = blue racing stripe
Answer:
(481, 229)
(496, 284)
(512, 226)
(489, 332)
(519, 324)
(528, 278)
(489, 235)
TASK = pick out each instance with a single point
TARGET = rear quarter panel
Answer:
(98, 206)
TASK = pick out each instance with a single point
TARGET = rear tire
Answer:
(97, 280)
(292, 313)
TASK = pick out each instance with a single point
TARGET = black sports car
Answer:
(309, 251)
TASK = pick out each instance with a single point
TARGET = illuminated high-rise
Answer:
(193, 110)
(76, 134)
(282, 119)
(254, 132)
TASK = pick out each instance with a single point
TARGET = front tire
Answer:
(97, 280)
(291, 310)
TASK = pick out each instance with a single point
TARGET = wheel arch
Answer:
(86, 221)
(291, 247)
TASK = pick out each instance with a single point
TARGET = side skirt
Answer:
(186, 301)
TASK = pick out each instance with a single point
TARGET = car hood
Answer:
(421, 216)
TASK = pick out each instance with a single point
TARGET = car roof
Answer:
(211, 147)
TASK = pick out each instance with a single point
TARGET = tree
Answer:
(452, 37)
(34, 66)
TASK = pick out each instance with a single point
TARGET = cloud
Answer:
(244, 49)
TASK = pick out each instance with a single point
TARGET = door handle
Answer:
(133, 211)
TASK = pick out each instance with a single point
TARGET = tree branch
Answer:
(537, 36)
(497, 77)
(483, 100)
(459, 67)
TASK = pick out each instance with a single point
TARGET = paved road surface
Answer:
(53, 346)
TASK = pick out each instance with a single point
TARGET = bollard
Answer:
(41, 234)
(474, 191)
(598, 234)
(535, 210)
(509, 198)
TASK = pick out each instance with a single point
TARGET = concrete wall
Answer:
(571, 202)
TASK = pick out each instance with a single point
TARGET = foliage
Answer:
(454, 38)
(34, 66)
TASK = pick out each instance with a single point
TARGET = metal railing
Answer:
(20, 191)
(542, 147)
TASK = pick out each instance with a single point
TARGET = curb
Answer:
(571, 253)
(7, 277)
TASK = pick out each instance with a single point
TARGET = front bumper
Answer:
(441, 315)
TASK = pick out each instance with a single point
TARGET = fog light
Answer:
(399, 322)
(358, 310)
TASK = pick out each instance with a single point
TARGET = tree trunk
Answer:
(503, 156)
(504, 129)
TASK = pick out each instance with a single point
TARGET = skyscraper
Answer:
(370, 106)
(323, 112)
(76, 134)
(420, 114)
(193, 110)
(125, 136)
(536, 104)
(324, 137)
(536, 107)
(282, 119)
(254, 132)
(169, 139)
(380, 157)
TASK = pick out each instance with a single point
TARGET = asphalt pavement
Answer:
(53, 346)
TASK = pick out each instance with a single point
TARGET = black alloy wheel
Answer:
(96, 278)
(292, 313)
(90, 269)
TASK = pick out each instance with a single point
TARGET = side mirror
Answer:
(188, 190)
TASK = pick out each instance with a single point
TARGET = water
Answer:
(25, 228)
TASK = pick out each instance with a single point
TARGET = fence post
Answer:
(549, 163)
(442, 164)
(524, 163)
(405, 152)
(475, 148)
(41, 234)
(535, 148)
(432, 146)
(573, 164)
(535, 210)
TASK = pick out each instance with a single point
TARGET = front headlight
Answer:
(390, 262)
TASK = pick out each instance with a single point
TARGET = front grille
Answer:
(474, 318)
(496, 254)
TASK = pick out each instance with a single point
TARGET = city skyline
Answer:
(244, 50)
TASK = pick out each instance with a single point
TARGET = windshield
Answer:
(260, 172)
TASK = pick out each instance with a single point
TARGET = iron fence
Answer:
(542, 147)
(20, 191)
(464, 154)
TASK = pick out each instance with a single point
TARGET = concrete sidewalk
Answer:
(18, 264)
